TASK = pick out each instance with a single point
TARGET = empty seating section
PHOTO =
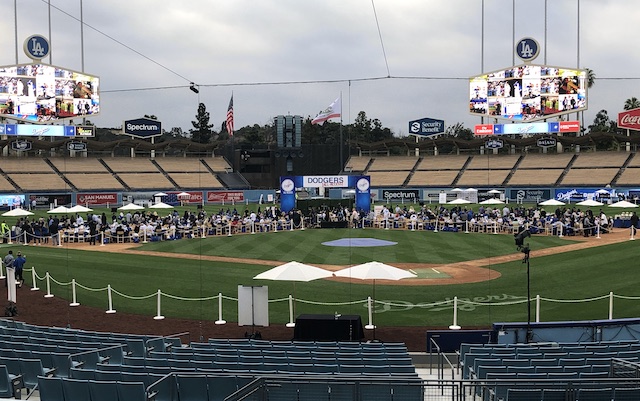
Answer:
(23, 165)
(393, 163)
(94, 181)
(145, 180)
(130, 164)
(433, 178)
(196, 180)
(594, 176)
(535, 176)
(6, 185)
(437, 170)
(600, 159)
(388, 178)
(78, 165)
(635, 161)
(443, 162)
(540, 160)
(181, 165)
(39, 181)
(357, 163)
(217, 164)
(68, 364)
(630, 176)
(483, 177)
(391, 171)
(492, 162)
(562, 368)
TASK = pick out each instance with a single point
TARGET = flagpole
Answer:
(233, 142)
(341, 141)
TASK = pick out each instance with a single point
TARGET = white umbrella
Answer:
(602, 191)
(471, 190)
(183, 195)
(459, 201)
(59, 209)
(161, 194)
(294, 271)
(623, 204)
(494, 191)
(17, 212)
(131, 206)
(374, 271)
(160, 205)
(456, 190)
(492, 201)
(79, 209)
(589, 202)
(552, 202)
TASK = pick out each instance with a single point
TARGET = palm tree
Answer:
(591, 77)
(632, 103)
(591, 80)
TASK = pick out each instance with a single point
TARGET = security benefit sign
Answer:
(426, 127)
(361, 184)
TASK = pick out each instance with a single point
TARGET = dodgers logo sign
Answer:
(36, 47)
(527, 49)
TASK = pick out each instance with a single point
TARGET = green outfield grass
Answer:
(572, 275)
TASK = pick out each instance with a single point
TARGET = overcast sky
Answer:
(146, 52)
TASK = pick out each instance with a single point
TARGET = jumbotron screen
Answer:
(40, 93)
(528, 92)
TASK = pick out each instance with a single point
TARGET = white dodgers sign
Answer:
(325, 181)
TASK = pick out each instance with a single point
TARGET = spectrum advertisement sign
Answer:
(361, 184)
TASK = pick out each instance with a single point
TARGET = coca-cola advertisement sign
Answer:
(225, 196)
(106, 198)
(629, 119)
(184, 197)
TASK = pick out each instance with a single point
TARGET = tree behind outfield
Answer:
(201, 132)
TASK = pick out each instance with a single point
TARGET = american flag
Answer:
(230, 117)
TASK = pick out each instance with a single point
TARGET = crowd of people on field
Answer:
(138, 225)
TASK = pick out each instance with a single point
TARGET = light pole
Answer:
(525, 249)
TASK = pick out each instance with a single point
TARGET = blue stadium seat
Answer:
(31, 369)
(131, 391)
(103, 390)
(10, 385)
(220, 387)
(74, 389)
(192, 388)
(595, 394)
(524, 394)
(50, 389)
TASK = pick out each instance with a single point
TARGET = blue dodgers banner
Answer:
(361, 184)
